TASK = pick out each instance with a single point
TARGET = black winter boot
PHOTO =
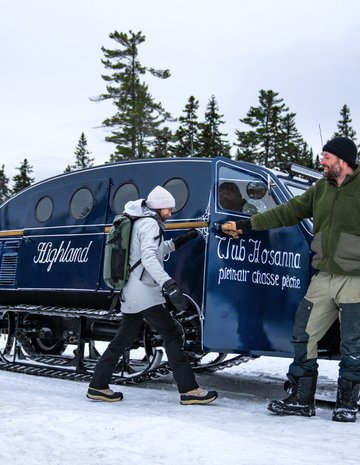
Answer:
(301, 400)
(346, 401)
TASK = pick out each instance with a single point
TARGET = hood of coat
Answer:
(138, 208)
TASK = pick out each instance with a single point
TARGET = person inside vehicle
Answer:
(230, 198)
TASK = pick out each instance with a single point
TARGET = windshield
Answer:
(296, 190)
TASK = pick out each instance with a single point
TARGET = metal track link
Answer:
(67, 373)
(63, 369)
(63, 312)
(229, 363)
(46, 372)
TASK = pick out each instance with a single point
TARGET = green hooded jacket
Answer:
(336, 217)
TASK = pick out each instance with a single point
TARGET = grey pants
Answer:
(328, 297)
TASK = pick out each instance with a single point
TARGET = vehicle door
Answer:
(254, 283)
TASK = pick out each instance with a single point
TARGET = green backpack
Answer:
(116, 269)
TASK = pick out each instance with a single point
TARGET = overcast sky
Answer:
(50, 55)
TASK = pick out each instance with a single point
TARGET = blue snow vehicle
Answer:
(242, 293)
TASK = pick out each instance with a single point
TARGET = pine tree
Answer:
(265, 137)
(290, 142)
(4, 185)
(82, 159)
(137, 115)
(162, 143)
(211, 139)
(249, 148)
(308, 159)
(273, 139)
(293, 148)
(306, 156)
(187, 135)
(23, 179)
(344, 124)
(317, 165)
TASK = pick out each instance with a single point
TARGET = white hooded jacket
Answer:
(143, 289)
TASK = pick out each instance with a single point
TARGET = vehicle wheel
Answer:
(49, 345)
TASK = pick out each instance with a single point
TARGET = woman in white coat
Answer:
(143, 297)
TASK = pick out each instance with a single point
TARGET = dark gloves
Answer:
(236, 228)
(244, 226)
(188, 236)
(175, 296)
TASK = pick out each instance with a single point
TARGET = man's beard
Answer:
(333, 174)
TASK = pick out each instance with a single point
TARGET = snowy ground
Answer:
(48, 421)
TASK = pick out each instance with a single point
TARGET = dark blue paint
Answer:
(65, 255)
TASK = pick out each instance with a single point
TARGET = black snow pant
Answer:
(328, 297)
(160, 319)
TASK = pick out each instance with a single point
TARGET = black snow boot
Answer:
(301, 400)
(346, 401)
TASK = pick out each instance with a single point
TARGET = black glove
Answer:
(236, 228)
(175, 296)
(188, 236)
(244, 225)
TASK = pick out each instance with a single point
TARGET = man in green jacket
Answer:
(334, 292)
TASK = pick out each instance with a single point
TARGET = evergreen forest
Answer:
(140, 127)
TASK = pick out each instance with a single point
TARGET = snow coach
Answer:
(242, 293)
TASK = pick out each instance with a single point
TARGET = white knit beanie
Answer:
(160, 198)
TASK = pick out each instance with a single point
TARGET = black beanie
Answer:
(344, 148)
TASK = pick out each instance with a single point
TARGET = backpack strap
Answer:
(115, 298)
(161, 228)
(159, 236)
(135, 265)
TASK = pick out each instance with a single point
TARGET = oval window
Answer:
(44, 209)
(179, 190)
(81, 203)
(124, 194)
